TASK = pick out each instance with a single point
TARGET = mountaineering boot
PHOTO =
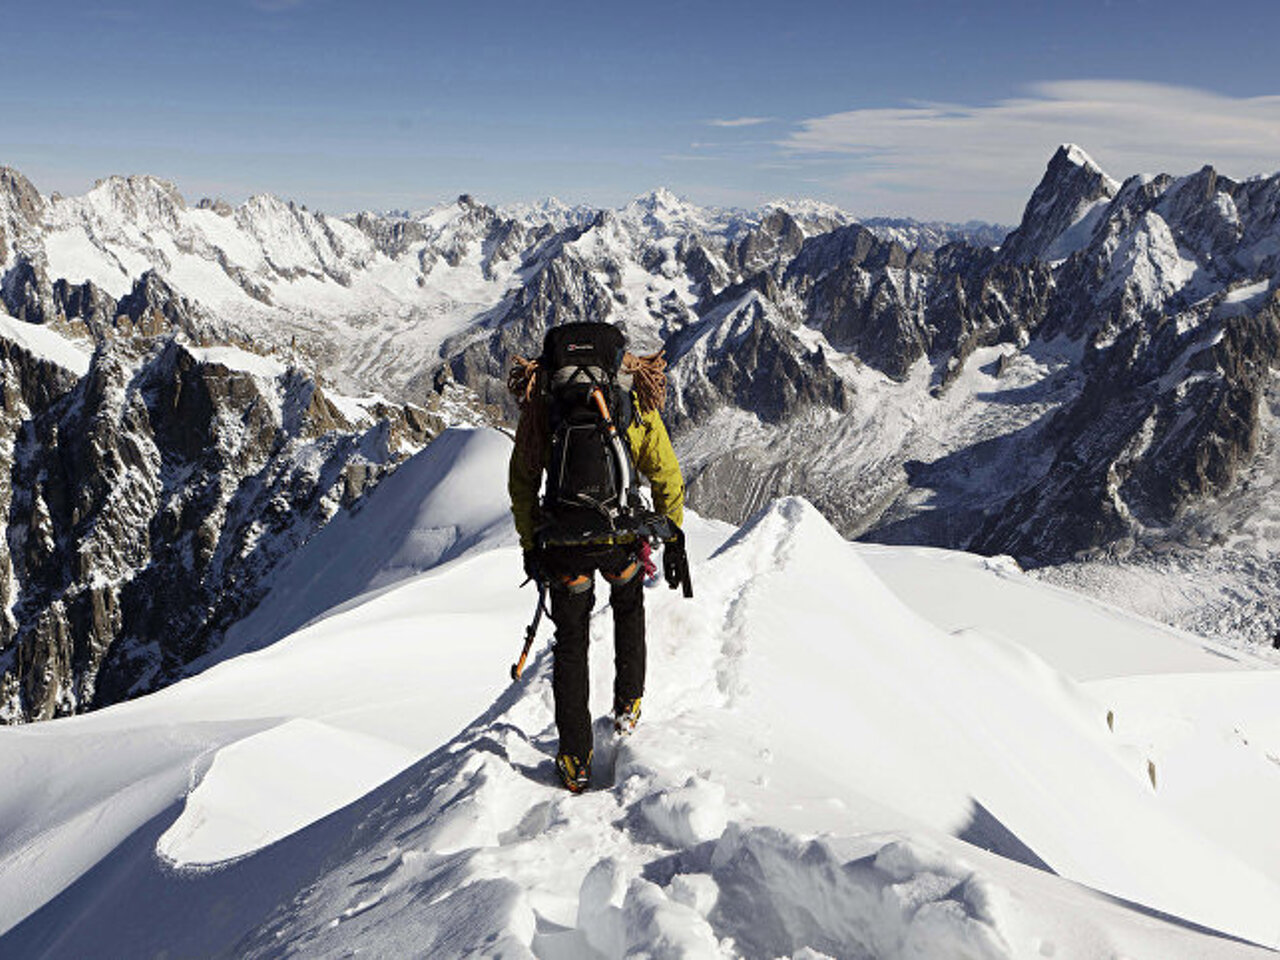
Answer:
(626, 716)
(575, 774)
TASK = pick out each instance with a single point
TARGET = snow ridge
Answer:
(910, 809)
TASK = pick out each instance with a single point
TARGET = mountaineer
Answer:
(589, 419)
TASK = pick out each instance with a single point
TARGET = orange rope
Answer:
(525, 383)
(649, 376)
(521, 379)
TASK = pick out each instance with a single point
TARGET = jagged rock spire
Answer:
(1071, 185)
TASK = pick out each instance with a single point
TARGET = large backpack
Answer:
(592, 491)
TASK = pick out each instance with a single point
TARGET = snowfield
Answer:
(847, 751)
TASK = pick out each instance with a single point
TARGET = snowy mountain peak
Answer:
(661, 213)
(658, 199)
(21, 208)
(137, 197)
(1073, 186)
(549, 205)
(267, 204)
(1077, 155)
(550, 211)
(804, 208)
(19, 196)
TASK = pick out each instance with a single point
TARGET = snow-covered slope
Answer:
(846, 750)
(424, 515)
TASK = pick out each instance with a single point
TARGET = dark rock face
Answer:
(84, 302)
(981, 301)
(21, 208)
(769, 246)
(220, 207)
(145, 504)
(151, 308)
(890, 308)
(707, 271)
(27, 292)
(392, 236)
(1140, 444)
(851, 246)
(860, 294)
(767, 370)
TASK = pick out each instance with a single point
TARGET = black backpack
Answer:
(592, 489)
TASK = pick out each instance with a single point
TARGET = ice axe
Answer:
(530, 632)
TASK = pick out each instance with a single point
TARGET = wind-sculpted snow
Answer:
(820, 770)
(424, 514)
(45, 345)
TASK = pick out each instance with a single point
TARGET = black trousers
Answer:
(571, 605)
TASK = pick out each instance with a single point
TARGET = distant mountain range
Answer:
(1093, 393)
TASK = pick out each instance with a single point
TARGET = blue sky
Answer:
(935, 110)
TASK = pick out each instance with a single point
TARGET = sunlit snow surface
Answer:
(44, 344)
(846, 750)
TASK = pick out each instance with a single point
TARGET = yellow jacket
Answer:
(651, 451)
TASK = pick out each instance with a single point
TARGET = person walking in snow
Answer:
(589, 418)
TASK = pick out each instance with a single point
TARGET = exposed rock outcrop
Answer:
(147, 501)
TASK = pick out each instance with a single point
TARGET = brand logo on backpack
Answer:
(591, 482)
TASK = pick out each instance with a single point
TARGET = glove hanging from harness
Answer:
(674, 562)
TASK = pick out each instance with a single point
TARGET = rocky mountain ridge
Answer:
(1097, 386)
(1077, 393)
(272, 271)
(152, 485)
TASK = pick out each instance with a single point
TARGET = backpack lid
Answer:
(584, 345)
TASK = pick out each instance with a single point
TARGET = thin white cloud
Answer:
(740, 122)
(959, 160)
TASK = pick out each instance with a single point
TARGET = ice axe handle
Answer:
(530, 632)
(517, 668)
